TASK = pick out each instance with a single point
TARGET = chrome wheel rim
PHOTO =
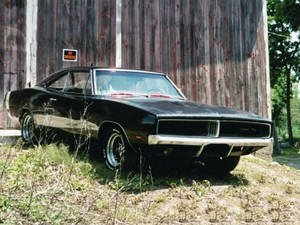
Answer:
(115, 149)
(27, 128)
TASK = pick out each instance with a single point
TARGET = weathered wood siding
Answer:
(12, 51)
(213, 50)
(88, 26)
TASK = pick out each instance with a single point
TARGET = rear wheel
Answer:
(28, 130)
(116, 151)
(222, 165)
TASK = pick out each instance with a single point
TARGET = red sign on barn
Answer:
(70, 55)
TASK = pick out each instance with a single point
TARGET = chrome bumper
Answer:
(199, 141)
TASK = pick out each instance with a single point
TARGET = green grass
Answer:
(290, 151)
(289, 157)
(50, 185)
(28, 173)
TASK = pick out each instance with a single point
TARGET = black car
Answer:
(134, 112)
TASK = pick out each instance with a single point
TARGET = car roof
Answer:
(88, 68)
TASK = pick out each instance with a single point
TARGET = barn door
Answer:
(8, 82)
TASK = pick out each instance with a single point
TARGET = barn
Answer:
(215, 51)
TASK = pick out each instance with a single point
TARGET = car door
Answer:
(75, 95)
(65, 106)
(44, 104)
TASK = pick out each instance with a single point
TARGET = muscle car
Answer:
(133, 112)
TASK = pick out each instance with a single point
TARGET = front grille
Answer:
(178, 127)
(244, 129)
(214, 128)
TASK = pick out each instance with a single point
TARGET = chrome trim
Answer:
(127, 70)
(91, 76)
(84, 126)
(182, 95)
(230, 150)
(198, 141)
(93, 80)
(165, 119)
(213, 128)
(200, 150)
(218, 128)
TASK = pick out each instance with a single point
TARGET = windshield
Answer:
(134, 83)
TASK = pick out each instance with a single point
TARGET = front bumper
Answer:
(202, 142)
(198, 141)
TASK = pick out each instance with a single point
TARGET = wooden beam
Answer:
(118, 33)
(31, 41)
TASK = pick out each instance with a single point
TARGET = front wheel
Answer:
(116, 151)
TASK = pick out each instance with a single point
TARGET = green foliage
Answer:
(282, 124)
(284, 55)
(132, 183)
(290, 152)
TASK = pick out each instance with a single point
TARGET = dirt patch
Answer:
(47, 186)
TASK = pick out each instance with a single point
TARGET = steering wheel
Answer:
(154, 90)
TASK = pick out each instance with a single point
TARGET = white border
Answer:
(70, 60)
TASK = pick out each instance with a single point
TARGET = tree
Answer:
(283, 20)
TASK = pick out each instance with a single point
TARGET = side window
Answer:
(78, 82)
(80, 79)
(60, 83)
(73, 82)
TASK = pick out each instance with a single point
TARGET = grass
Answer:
(289, 157)
(290, 151)
(50, 185)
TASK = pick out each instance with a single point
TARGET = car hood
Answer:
(166, 108)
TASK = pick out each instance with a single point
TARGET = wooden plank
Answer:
(177, 44)
(136, 45)
(126, 34)
(88, 26)
(156, 26)
(212, 61)
(112, 34)
(148, 34)
(2, 55)
(12, 52)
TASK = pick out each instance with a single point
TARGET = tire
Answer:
(28, 129)
(221, 165)
(116, 151)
